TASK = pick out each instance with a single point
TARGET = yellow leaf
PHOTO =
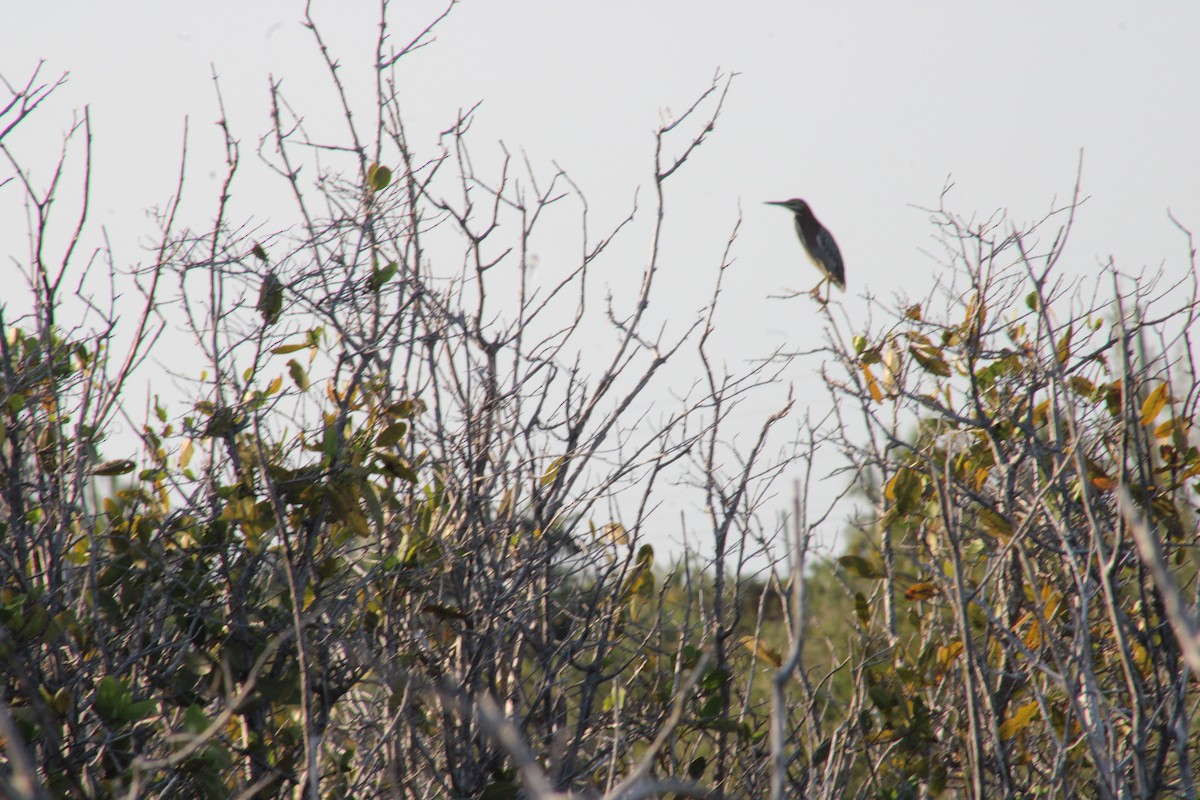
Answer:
(284, 349)
(1154, 403)
(616, 532)
(1041, 413)
(994, 523)
(551, 473)
(1063, 351)
(1019, 720)
(1082, 386)
(872, 386)
(760, 649)
(948, 653)
(1142, 658)
(1033, 637)
(640, 582)
(506, 503)
(976, 314)
(1051, 602)
(185, 453)
(892, 366)
(981, 476)
(921, 591)
(1113, 397)
(356, 521)
(1166, 430)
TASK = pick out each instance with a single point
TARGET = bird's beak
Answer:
(775, 203)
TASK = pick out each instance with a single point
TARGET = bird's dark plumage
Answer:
(817, 241)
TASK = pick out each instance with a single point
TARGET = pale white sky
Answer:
(863, 108)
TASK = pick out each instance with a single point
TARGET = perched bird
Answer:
(819, 244)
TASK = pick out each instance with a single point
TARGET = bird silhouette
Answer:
(818, 243)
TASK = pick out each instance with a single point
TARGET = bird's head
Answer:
(795, 205)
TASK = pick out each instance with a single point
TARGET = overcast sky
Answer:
(863, 108)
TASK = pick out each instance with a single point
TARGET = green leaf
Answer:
(270, 299)
(120, 466)
(391, 434)
(224, 421)
(725, 725)
(1113, 397)
(397, 467)
(713, 680)
(140, 710)
(378, 177)
(883, 698)
(710, 709)
(862, 609)
(905, 489)
(194, 719)
(406, 409)
(859, 566)
(299, 375)
(504, 788)
(112, 699)
(995, 523)
(931, 360)
(640, 582)
(381, 276)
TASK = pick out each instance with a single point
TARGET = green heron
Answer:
(819, 244)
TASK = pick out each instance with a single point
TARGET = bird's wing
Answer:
(834, 256)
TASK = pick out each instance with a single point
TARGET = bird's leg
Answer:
(816, 291)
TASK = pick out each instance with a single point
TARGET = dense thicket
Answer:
(394, 541)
